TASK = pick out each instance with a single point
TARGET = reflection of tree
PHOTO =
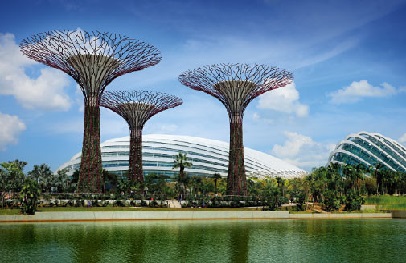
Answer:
(124, 243)
(239, 240)
(136, 248)
(88, 243)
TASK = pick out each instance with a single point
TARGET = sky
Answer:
(348, 59)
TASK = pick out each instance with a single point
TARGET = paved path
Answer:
(174, 204)
(179, 215)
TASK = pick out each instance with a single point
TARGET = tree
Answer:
(110, 181)
(28, 196)
(196, 185)
(3, 186)
(235, 86)
(12, 177)
(61, 180)
(216, 177)
(157, 186)
(93, 60)
(181, 162)
(378, 174)
(137, 107)
(42, 174)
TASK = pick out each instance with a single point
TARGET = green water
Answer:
(206, 241)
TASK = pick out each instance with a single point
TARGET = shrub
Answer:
(28, 196)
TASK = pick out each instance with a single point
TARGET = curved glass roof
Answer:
(208, 157)
(369, 149)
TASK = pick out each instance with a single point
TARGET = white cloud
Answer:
(43, 92)
(112, 125)
(67, 125)
(10, 127)
(402, 139)
(362, 89)
(285, 99)
(303, 151)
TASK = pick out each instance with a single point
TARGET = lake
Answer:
(352, 240)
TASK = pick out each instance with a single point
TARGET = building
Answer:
(369, 149)
(208, 157)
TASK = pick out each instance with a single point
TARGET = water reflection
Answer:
(206, 241)
(239, 241)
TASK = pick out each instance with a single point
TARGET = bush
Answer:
(353, 202)
(28, 196)
(331, 201)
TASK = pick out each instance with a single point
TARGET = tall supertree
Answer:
(236, 85)
(93, 60)
(137, 107)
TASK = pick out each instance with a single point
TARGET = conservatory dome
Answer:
(207, 156)
(370, 149)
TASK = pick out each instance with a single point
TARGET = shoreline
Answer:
(84, 216)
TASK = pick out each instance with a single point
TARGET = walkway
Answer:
(173, 203)
(179, 215)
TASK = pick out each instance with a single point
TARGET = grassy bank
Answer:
(111, 208)
(383, 203)
(387, 202)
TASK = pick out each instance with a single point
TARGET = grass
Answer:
(387, 202)
(111, 208)
(8, 211)
(383, 202)
(16, 211)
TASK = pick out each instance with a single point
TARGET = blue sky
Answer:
(348, 59)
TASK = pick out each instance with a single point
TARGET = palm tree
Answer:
(42, 174)
(216, 177)
(378, 174)
(181, 162)
(61, 180)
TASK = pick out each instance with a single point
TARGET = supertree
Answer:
(236, 85)
(137, 107)
(93, 60)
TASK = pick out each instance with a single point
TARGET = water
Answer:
(206, 241)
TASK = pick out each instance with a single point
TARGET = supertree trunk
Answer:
(93, 60)
(137, 107)
(135, 172)
(90, 165)
(236, 180)
(236, 85)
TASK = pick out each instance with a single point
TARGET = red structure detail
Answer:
(236, 85)
(137, 107)
(93, 60)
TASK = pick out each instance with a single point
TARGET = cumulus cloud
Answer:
(402, 139)
(46, 91)
(362, 89)
(10, 128)
(303, 151)
(284, 99)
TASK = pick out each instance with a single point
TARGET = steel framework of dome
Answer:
(370, 149)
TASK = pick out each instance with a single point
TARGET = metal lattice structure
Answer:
(137, 107)
(369, 150)
(236, 85)
(93, 60)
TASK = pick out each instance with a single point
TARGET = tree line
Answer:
(333, 187)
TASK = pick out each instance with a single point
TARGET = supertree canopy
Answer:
(137, 107)
(236, 85)
(93, 60)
